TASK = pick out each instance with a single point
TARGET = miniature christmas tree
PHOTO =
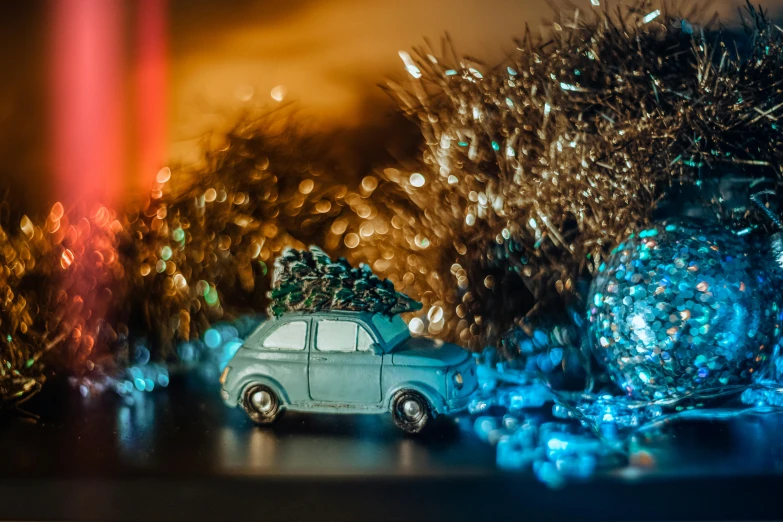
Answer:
(310, 281)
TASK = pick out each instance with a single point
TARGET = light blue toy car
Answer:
(347, 362)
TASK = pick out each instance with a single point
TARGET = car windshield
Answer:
(391, 329)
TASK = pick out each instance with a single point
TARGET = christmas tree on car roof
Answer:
(309, 281)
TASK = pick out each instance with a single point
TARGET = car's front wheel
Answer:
(261, 404)
(410, 411)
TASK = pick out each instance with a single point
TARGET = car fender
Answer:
(436, 400)
(265, 380)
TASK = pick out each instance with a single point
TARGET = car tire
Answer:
(261, 404)
(410, 411)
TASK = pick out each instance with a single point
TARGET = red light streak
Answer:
(87, 101)
(151, 86)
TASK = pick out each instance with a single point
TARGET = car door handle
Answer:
(318, 358)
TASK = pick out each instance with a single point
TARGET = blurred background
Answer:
(98, 95)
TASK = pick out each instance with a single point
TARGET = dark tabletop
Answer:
(180, 454)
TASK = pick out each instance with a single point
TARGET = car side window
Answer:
(363, 340)
(290, 336)
(335, 336)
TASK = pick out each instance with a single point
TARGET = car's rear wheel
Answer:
(410, 411)
(261, 404)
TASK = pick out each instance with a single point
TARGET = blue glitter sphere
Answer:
(771, 268)
(679, 309)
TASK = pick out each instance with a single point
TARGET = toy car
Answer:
(347, 362)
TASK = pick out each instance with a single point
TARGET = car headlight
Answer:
(224, 375)
(458, 382)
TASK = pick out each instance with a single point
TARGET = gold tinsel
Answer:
(533, 170)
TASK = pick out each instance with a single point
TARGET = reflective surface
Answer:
(186, 430)
(179, 453)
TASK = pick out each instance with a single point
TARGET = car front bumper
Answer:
(230, 402)
(459, 404)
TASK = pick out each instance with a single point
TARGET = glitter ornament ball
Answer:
(678, 309)
(771, 268)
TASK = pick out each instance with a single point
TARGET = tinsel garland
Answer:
(59, 281)
(204, 243)
(79, 297)
(544, 163)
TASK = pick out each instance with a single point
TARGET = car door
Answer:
(281, 354)
(343, 368)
